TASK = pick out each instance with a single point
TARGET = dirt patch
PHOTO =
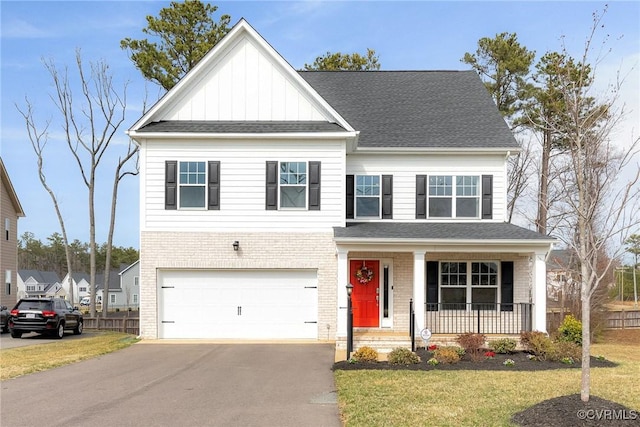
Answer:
(621, 336)
(571, 411)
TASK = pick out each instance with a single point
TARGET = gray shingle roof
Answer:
(434, 109)
(186, 126)
(437, 231)
(39, 276)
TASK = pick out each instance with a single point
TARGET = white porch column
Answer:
(419, 287)
(539, 291)
(343, 277)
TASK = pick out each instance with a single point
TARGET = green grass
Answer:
(476, 398)
(15, 362)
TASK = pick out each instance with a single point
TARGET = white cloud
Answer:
(20, 29)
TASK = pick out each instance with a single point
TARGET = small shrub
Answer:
(447, 354)
(570, 330)
(472, 344)
(509, 362)
(562, 350)
(432, 347)
(489, 354)
(403, 356)
(366, 354)
(503, 346)
(537, 343)
(567, 361)
(433, 361)
(460, 351)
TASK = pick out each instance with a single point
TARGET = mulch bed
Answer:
(571, 411)
(563, 411)
(522, 363)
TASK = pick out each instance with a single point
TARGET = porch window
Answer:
(367, 196)
(469, 282)
(447, 200)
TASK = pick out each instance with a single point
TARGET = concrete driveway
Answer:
(155, 384)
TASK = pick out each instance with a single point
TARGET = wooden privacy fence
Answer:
(613, 319)
(128, 325)
(623, 319)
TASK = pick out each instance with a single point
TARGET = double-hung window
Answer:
(192, 184)
(367, 196)
(293, 184)
(454, 196)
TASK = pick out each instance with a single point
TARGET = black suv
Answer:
(4, 319)
(45, 315)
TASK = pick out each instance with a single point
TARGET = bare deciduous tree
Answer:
(90, 125)
(39, 141)
(600, 205)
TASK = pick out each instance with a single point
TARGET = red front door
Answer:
(365, 278)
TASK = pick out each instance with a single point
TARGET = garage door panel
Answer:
(258, 304)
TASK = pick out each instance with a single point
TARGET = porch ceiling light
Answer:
(236, 245)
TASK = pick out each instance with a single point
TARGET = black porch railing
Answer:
(479, 318)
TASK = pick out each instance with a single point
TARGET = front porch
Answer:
(445, 322)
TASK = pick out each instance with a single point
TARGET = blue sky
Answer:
(406, 35)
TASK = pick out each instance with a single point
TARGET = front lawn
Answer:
(479, 398)
(40, 357)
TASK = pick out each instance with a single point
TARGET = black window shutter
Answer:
(506, 286)
(272, 185)
(421, 197)
(387, 196)
(214, 186)
(432, 285)
(171, 184)
(314, 186)
(487, 196)
(350, 197)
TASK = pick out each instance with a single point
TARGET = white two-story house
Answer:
(266, 191)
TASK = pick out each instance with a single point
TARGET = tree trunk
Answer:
(585, 383)
(541, 221)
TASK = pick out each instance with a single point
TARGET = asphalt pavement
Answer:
(163, 384)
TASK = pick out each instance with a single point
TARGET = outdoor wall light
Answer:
(349, 289)
(236, 245)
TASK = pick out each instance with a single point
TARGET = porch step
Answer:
(381, 341)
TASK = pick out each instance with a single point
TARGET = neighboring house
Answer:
(563, 288)
(265, 191)
(10, 211)
(116, 296)
(39, 284)
(130, 285)
(81, 286)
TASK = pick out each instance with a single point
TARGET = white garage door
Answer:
(259, 304)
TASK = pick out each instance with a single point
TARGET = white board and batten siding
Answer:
(242, 186)
(246, 84)
(238, 304)
(405, 168)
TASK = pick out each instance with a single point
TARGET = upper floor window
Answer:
(7, 228)
(293, 184)
(447, 200)
(192, 185)
(367, 196)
